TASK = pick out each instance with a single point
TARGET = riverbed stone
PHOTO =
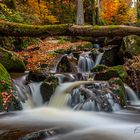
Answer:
(130, 46)
(67, 64)
(110, 56)
(105, 73)
(36, 76)
(48, 87)
(11, 61)
(117, 87)
(133, 70)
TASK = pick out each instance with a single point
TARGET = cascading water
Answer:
(78, 95)
(84, 125)
(35, 93)
(29, 94)
(133, 99)
(98, 59)
(85, 63)
(21, 87)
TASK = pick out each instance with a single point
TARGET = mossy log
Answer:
(18, 29)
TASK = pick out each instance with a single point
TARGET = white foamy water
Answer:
(60, 98)
(98, 59)
(85, 125)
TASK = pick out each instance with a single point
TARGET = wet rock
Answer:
(13, 134)
(39, 135)
(105, 73)
(36, 76)
(11, 61)
(63, 51)
(130, 46)
(48, 87)
(117, 87)
(105, 96)
(133, 70)
(110, 56)
(82, 47)
(67, 64)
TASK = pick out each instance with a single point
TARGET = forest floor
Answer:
(42, 53)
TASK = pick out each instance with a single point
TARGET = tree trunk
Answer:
(80, 13)
(93, 12)
(138, 9)
(98, 12)
(19, 30)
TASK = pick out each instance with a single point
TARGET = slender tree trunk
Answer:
(80, 12)
(93, 12)
(98, 12)
(138, 9)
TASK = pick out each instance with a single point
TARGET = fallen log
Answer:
(20, 30)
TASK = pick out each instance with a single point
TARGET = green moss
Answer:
(120, 90)
(99, 68)
(105, 73)
(7, 87)
(4, 75)
(11, 61)
(32, 30)
(130, 46)
(48, 87)
(82, 47)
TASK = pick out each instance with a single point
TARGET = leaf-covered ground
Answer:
(42, 54)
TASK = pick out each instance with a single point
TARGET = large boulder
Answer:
(36, 76)
(11, 61)
(48, 87)
(130, 46)
(110, 56)
(117, 87)
(8, 99)
(105, 73)
(67, 64)
(133, 70)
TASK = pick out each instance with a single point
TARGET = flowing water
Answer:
(98, 59)
(133, 99)
(90, 99)
(85, 63)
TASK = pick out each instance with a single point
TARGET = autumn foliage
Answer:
(36, 56)
(117, 11)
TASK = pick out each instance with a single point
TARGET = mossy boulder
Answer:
(82, 47)
(8, 100)
(133, 70)
(110, 56)
(117, 87)
(11, 61)
(48, 87)
(67, 64)
(130, 46)
(105, 73)
(36, 76)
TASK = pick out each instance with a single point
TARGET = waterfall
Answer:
(85, 63)
(28, 94)
(66, 77)
(35, 93)
(54, 68)
(60, 98)
(20, 86)
(98, 59)
(132, 96)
